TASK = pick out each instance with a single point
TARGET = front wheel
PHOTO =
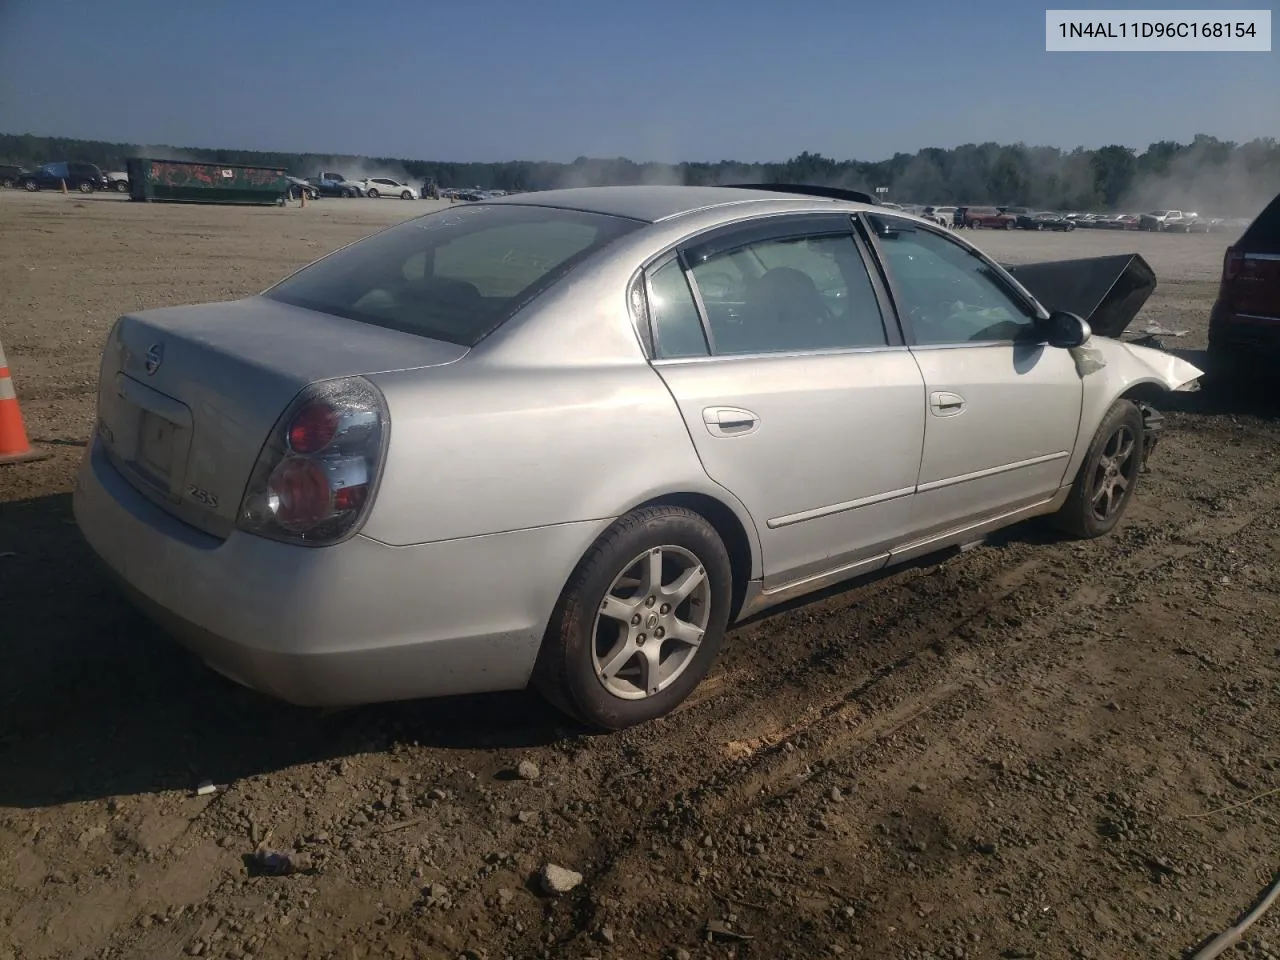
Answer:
(1108, 476)
(1008, 224)
(406, 195)
(640, 621)
(30, 186)
(122, 186)
(85, 186)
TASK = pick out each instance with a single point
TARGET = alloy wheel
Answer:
(1113, 473)
(650, 623)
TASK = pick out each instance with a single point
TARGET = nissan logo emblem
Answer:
(155, 356)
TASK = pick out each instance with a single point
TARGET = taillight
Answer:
(314, 480)
(1231, 264)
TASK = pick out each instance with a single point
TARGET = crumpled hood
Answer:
(1108, 292)
(1133, 363)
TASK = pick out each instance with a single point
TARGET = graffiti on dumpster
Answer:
(210, 175)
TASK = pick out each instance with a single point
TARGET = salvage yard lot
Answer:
(1023, 752)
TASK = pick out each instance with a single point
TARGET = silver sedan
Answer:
(567, 438)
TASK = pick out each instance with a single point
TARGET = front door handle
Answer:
(945, 404)
(729, 421)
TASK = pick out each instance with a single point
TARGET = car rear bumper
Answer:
(1243, 336)
(359, 622)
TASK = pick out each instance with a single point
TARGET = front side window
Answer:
(948, 294)
(801, 294)
(453, 275)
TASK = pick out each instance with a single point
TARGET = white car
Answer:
(386, 187)
(943, 216)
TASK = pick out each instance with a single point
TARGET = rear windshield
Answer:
(1263, 235)
(455, 275)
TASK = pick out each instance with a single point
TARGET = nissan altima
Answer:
(568, 438)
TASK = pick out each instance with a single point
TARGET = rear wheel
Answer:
(373, 194)
(406, 195)
(30, 186)
(640, 621)
(1108, 476)
(7, 183)
(122, 186)
(1008, 224)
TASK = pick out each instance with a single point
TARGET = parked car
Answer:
(117, 180)
(85, 177)
(330, 184)
(1244, 325)
(1045, 220)
(567, 438)
(943, 216)
(10, 175)
(298, 188)
(1161, 220)
(376, 187)
(990, 217)
(1181, 224)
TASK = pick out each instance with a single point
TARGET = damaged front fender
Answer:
(1109, 370)
(1127, 364)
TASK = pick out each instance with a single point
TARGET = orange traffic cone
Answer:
(14, 446)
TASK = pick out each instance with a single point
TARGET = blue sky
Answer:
(553, 79)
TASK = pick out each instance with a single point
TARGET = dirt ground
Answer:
(1038, 749)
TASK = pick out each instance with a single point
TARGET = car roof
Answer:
(651, 204)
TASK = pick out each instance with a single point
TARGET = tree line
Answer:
(1211, 176)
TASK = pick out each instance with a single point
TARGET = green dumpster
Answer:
(182, 181)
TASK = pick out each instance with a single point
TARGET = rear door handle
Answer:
(946, 404)
(729, 421)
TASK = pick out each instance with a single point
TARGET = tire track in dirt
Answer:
(752, 771)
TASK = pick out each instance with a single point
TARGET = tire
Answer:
(406, 195)
(1008, 224)
(1121, 432)
(30, 186)
(373, 194)
(121, 186)
(581, 637)
(7, 183)
(85, 187)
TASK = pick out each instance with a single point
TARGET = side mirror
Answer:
(1066, 330)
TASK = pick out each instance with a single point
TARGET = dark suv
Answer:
(85, 177)
(1244, 327)
(10, 175)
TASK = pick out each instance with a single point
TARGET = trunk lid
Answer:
(188, 395)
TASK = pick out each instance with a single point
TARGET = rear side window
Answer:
(1263, 235)
(454, 275)
(677, 327)
(783, 296)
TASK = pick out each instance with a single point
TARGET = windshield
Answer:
(455, 275)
